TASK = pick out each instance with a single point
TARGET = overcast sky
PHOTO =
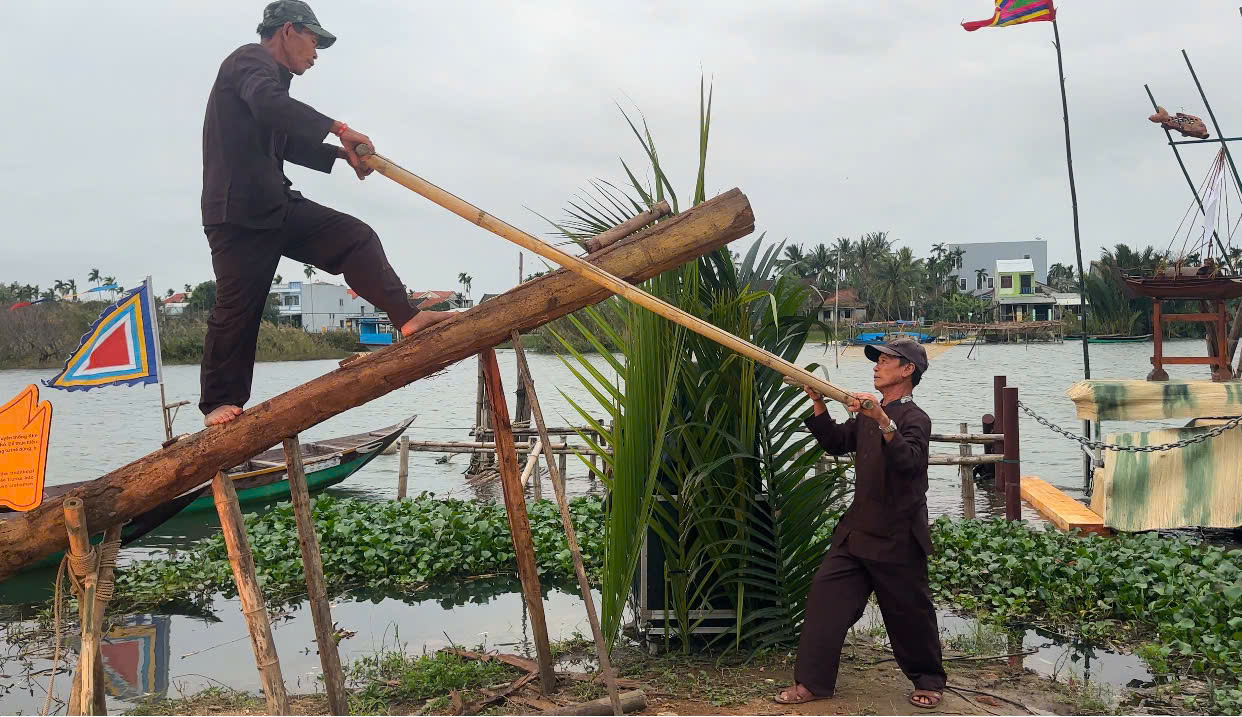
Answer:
(835, 118)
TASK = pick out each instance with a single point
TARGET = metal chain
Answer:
(1100, 445)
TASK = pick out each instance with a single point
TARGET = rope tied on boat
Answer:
(1100, 445)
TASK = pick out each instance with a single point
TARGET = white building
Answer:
(320, 306)
(975, 271)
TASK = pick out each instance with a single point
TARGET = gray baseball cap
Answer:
(905, 348)
(299, 13)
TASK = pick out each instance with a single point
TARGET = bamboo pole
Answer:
(532, 461)
(519, 522)
(940, 459)
(103, 595)
(587, 270)
(558, 487)
(488, 447)
(83, 560)
(968, 480)
(316, 593)
(253, 608)
(628, 227)
(404, 472)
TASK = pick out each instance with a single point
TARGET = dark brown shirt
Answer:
(888, 519)
(252, 126)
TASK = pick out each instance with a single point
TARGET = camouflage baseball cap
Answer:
(297, 12)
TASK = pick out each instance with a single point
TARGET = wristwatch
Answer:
(890, 428)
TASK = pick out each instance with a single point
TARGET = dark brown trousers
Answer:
(245, 263)
(838, 599)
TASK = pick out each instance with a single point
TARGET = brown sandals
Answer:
(802, 696)
(933, 698)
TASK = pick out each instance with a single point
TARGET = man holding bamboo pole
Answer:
(882, 542)
(252, 216)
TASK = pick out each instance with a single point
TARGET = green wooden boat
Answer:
(261, 479)
(1117, 339)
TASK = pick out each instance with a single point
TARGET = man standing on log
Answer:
(252, 216)
(882, 542)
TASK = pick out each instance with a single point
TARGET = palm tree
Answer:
(1062, 277)
(794, 260)
(899, 274)
(278, 279)
(188, 289)
(93, 276)
(310, 272)
(49, 294)
(72, 286)
(169, 294)
(110, 281)
(465, 280)
(980, 276)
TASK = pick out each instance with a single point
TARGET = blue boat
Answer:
(882, 337)
(375, 332)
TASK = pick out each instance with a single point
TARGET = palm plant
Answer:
(465, 280)
(93, 276)
(703, 447)
(793, 260)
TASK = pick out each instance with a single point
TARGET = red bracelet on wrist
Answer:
(340, 130)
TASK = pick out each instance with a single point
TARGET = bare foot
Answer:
(423, 319)
(796, 695)
(223, 414)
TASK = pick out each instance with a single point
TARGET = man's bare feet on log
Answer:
(423, 319)
(223, 414)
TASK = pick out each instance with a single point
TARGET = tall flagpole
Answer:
(1082, 277)
(159, 356)
(836, 315)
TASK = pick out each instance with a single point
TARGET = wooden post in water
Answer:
(519, 522)
(403, 473)
(253, 608)
(312, 565)
(998, 410)
(1013, 469)
(571, 536)
(83, 560)
(968, 479)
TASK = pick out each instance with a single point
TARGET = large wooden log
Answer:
(191, 462)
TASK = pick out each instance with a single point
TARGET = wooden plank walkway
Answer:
(1060, 509)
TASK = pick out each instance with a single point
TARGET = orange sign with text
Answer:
(25, 425)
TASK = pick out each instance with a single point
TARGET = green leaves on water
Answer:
(384, 546)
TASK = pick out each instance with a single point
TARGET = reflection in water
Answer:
(136, 657)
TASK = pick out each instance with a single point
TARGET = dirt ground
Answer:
(869, 683)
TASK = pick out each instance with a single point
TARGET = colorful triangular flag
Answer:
(120, 349)
(1016, 12)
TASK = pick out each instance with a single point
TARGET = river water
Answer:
(97, 431)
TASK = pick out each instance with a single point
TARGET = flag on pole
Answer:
(120, 349)
(1016, 12)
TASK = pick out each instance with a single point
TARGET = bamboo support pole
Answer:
(251, 597)
(83, 560)
(532, 461)
(557, 477)
(968, 479)
(403, 473)
(103, 595)
(628, 227)
(519, 522)
(587, 270)
(488, 447)
(316, 593)
(941, 459)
